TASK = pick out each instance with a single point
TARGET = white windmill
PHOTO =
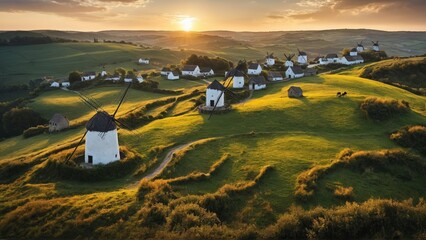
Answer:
(101, 134)
(376, 46)
(288, 62)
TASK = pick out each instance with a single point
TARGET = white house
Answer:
(103, 73)
(143, 61)
(254, 69)
(238, 80)
(275, 76)
(351, 60)
(206, 71)
(173, 76)
(376, 46)
(55, 84)
(65, 84)
(214, 90)
(140, 78)
(270, 60)
(88, 76)
(329, 58)
(257, 83)
(114, 77)
(294, 72)
(302, 58)
(191, 70)
(353, 52)
(360, 47)
(128, 78)
(165, 71)
(101, 140)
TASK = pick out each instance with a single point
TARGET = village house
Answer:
(115, 77)
(295, 92)
(353, 52)
(65, 84)
(254, 69)
(206, 71)
(275, 76)
(294, 72)
(351, 60)
(191, 70)
(88, 76)
(165, 71)
(103, 73)
(257, 83)
(55, 84)
(128, 78)
(214, 90)
(139, 79)
(173, 76)
(58, 122)
(143, 61)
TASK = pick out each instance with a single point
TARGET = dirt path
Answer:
(166, 160)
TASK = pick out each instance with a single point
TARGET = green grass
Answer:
(291, 135)
(24, 63)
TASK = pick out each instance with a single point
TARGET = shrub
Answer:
(344, 192)
(34, 131)
(17, 120)
(383, 109)
(187, 216)
(411, 136)
(158, 191)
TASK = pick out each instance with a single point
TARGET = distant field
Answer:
(24, 63)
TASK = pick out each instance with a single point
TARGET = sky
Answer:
(204, 15)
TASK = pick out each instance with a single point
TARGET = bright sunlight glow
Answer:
(186, 23)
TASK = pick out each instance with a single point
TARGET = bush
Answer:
(412, 137)
(187, 216)
(383, 109)
(345, 193)
(17, 120)
(34, 131)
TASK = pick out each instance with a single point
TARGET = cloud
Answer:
(377, 11)
(81, 9)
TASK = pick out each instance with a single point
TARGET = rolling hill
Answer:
(235, 171)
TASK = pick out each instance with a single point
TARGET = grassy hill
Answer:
(255, 154)
(25, 63)
(409, 73)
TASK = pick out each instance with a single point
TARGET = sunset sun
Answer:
(186, 23)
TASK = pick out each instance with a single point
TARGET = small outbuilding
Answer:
(173, 76)
(257, 83)
(294, 72)
(275, 76)
(55, 84)
(295, 92)
(58, 122)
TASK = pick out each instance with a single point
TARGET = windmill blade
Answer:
(75, 149)
(121, 100)
(122, 124)
(87, 102)
(285, 55)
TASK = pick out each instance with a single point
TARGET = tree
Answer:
(345, 51)
(17, 120)
(120, 71)
(74, 77)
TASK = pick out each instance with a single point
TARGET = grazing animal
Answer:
(344, 94)
(338, 94)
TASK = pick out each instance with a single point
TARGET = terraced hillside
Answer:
(248, 166)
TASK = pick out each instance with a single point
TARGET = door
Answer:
(211, 103)
(253, 86)
(90, 159)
